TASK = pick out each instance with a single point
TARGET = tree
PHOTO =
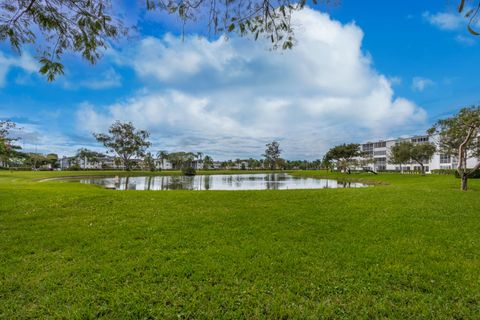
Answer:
(422, 152)
(125, 141)
(56, 27)
(8, 148)
(459, 135)
(88, 156)
(181, 160)
(162, 155)
(35, 160)
(207, 162)
(400, 153)
(52, 160)
(272, 154)
(86, 27)
(343, 155)
(149, 162)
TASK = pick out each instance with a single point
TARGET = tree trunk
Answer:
(464, 185)
(126, 164)
(423, 169)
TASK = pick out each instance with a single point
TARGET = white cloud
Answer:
(467, 40)
(445, 20)
(396, 81)
(420, 83)
(105, 79)
(24, 62)
(229, 98)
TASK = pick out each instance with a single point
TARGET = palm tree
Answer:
(162, 155)
(207, 162)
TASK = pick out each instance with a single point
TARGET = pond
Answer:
(269, 181)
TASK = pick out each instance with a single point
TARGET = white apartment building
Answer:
(380, 152)
(106, 162)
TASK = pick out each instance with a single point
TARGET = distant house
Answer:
(65, 163)
(197, 165)
(163, 164)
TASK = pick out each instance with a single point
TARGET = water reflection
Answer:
(273, 181)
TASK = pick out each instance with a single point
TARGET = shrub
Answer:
(444, 171)
(474, 175)
(16, 168)
(188, 171)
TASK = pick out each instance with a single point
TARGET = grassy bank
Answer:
(406, 248)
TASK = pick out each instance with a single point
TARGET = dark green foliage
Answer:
(188, 171)
(444, 171)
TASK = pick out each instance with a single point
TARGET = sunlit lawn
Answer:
(406, 248)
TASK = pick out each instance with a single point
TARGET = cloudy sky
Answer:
(359, 71)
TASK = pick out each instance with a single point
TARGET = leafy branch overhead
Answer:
(471, 14)
(87, 27)
(55, 27)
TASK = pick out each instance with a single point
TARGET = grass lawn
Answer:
(407, 248)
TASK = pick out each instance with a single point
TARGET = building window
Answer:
(380, 153)
(381, 144)
(380, 161)
(367, 147)
(445, 158)
(420, 139)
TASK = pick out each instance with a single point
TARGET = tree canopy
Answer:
(180, 160)
(422, 152)
(343, 155)
(272, 154)
(125, 141)
(8, 148)
(459, 135)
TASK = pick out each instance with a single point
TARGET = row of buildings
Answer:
(112, 163)
(380, 152)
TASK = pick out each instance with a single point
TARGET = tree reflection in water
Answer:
(271, 181)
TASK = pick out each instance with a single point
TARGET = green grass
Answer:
(406, 248)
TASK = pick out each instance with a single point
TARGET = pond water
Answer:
(273, 181)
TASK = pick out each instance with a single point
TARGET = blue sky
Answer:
(363, 70)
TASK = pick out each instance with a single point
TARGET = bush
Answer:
(474, 175)
(445, 171)
(16, 168)
(189, 171)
